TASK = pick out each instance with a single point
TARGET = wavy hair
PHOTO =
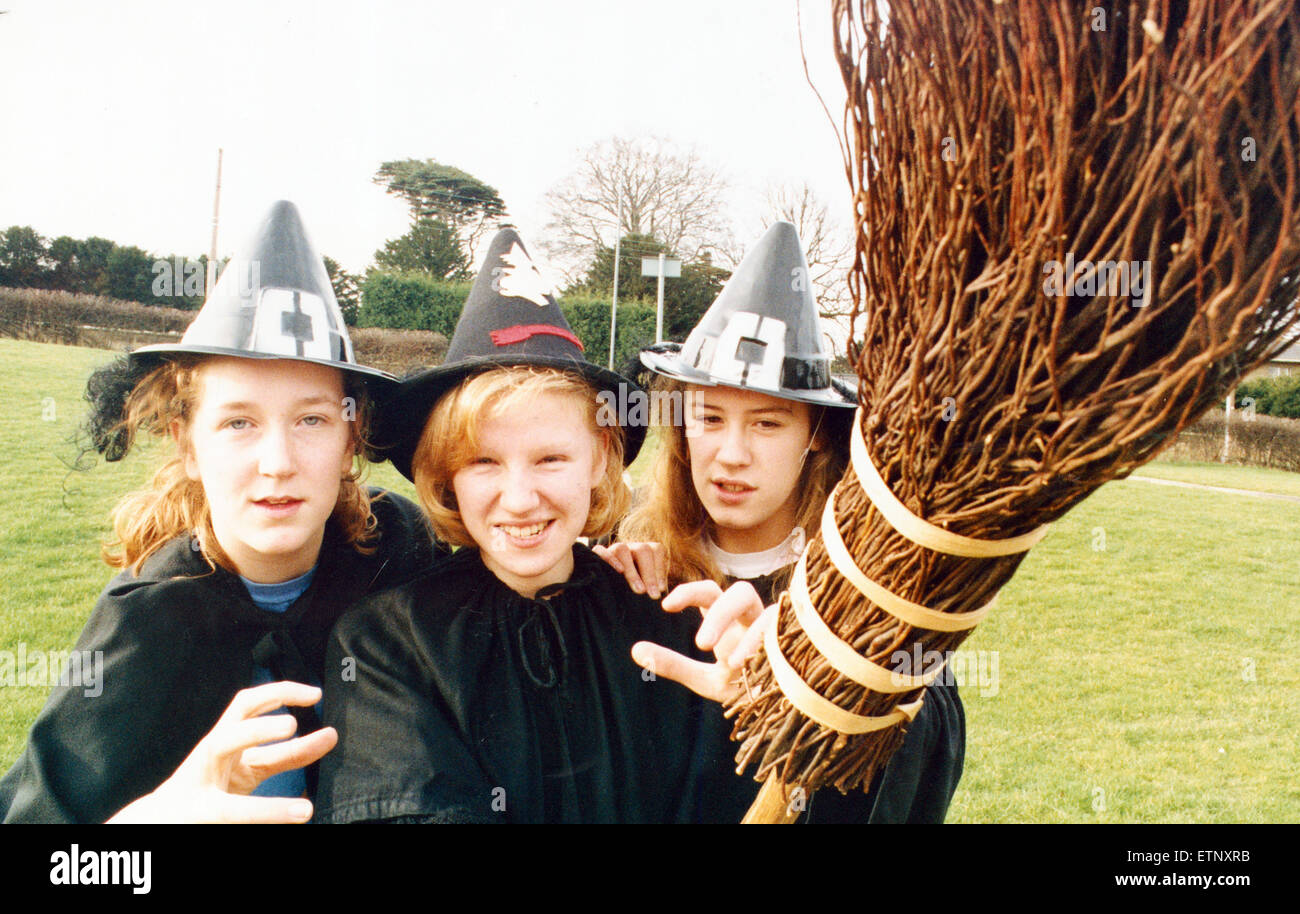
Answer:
(172, 504)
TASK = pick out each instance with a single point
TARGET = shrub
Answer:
(1261, 441)
(589, 318)
(1271, 396)
(411, 301)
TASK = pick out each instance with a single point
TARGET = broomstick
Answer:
(1077, 227)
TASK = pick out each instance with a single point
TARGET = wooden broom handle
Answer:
(770, 807)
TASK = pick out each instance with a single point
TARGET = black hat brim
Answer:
(403, 415)
(671, 366)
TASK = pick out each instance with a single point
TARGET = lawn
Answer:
(1257, 479)
(1139, 667)
(1146, 658)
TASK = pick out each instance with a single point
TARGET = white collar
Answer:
(749, 565)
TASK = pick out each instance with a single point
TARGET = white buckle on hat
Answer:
(750, 351)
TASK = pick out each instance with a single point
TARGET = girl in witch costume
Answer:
(238, 557)
(740, 482)
(501, 686)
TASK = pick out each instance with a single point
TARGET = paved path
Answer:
(1197, 485)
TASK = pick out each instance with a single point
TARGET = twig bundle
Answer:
(1003, 156)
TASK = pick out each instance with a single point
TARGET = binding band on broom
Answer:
(840, 655)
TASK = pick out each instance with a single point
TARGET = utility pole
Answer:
(1227, 424)
(216, 209)
(613, 308)
(659, 303)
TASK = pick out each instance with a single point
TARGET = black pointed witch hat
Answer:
(273, 301)
(510, 318)
(763, 331)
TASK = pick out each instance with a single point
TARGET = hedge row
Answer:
(398, 351)
(1258, 441)
(589, 318)
(413, 301)
(52, 316)
(24, 312)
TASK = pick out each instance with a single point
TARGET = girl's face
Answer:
(747, 451)
(525, 495)
(270, 445)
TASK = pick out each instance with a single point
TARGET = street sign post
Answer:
(662, 267)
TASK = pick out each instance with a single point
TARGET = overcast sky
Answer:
(113, 111)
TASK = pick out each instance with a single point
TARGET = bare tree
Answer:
(825, 242)
(652, 187)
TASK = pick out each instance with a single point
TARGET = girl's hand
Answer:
(733, 628)
(645, 565)
(213, 783)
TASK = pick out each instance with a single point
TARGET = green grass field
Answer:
(1145, 652)
(1256, 479)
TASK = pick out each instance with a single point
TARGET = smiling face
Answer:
(746, 455)
(269, 444)
(525, 493)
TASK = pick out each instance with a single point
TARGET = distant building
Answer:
(1286, 362)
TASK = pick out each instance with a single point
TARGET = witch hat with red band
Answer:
(510, 318)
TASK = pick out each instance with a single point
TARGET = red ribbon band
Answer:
(508, 336)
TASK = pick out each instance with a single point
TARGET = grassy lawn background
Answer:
(1257, 479)
(1145, 651)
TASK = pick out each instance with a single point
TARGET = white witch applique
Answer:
(520, 279)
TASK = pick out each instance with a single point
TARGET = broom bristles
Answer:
(994, 147)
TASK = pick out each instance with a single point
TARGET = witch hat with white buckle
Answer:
(762, 333)
(273, 301)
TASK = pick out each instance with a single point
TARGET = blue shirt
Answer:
(277, 598)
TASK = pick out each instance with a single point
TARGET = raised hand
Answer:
(733, 627)
(213, 783)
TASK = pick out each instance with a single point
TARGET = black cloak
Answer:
(459, 700)
(178, 642)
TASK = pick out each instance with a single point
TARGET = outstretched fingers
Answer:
(739, 604)
(709, 680)
(257, 700)
(752, 639)
(702, 594)
(265, 761)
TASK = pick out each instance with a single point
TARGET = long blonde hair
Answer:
(172, 504)
(669, 511)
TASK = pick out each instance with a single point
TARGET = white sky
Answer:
(112, 113)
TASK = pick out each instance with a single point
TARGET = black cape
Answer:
(463, 701)
(917, 785)
(178, 642)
